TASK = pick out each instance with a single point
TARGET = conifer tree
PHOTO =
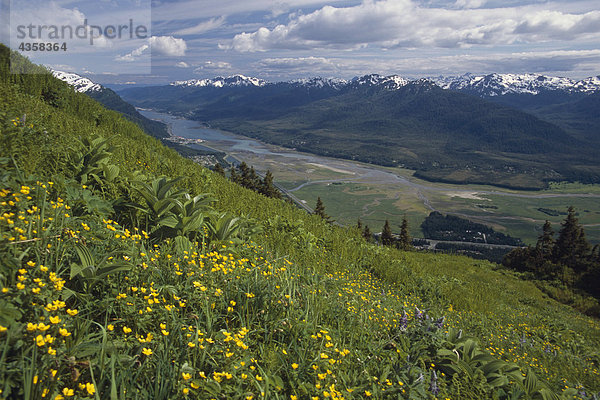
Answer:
(218, 168)
(320, 210)
(545, 242)
(244, 172)
(387, 237)
(233, 176)
(254, 181)
(367, 233)
(596, 254)
(571, 248)
(359, 224)
(268, 188)
(405, 242)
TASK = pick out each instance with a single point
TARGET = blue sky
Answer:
(280, 40)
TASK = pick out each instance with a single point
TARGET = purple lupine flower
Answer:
(418, 313)
(404, 321)
(523, 340)
(440, 322)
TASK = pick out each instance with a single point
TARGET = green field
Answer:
(374, 203)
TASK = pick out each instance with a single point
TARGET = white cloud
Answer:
(182, 64)
(405, 24)
(162, 45)
(469, 3)
(213, 65)
(168, 45)
(572, 63)
(202, 27)
(134, 55)
(190, 9)
(297, 63)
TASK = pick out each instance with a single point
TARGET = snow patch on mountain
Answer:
(78, 82)
(392, 82)
(503, 84)
(219, 82)
(588, 85)
(319, 83)
(483, 85)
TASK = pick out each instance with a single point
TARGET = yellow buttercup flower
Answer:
(146, 351)
(43, 327)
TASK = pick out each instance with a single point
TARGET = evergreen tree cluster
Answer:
(248, 178)
(569, 258)
(402, 241)
(452, 228)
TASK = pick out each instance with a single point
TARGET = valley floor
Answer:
(352, 190)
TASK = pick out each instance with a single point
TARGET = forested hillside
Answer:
(128, 271)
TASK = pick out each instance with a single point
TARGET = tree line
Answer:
(567, 258)
(247, 177)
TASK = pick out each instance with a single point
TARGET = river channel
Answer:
(237, 146)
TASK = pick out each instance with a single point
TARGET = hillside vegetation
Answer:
(128, 271)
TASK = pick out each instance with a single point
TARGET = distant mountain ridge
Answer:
(489, 85)
(219, 81)
(503, 84)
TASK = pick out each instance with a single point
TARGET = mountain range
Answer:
(482, 85)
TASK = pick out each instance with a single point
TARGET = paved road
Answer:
(434, 243)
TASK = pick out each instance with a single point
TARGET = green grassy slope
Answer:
(282, 306)
(113, 101)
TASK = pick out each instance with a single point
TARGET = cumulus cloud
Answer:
(213, 65)
(182, 64)
(405, 24)
(560, 62)
(202, 27)
(162, 45)
(168, 45)
(573, 63)
(134, 55)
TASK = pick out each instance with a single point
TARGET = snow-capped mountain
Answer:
(491, 85)
(334, 83)
(78, 82)
(235, 80)
(502, 84)
(588, 85)
(392, 82)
